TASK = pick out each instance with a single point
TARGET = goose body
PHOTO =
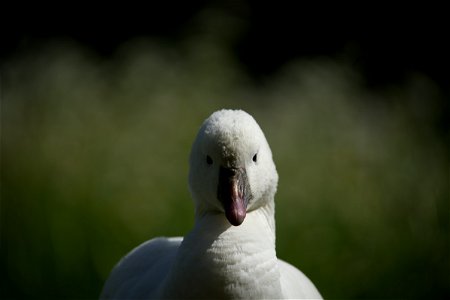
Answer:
(230, 252)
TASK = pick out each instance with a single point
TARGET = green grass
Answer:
(94, 162)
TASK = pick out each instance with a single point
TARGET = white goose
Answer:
(230, 252)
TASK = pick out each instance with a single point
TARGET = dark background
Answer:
(386, 41)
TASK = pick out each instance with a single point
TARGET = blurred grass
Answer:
(94, 162)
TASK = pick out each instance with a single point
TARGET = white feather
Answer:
(216, 259)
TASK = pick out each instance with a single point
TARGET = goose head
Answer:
(231, 168)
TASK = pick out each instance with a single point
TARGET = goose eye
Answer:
(255, 157)
(209, 160)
